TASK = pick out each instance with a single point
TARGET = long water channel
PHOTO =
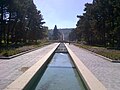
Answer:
(60, 74)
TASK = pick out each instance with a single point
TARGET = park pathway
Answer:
(11, 69)
(105, 71)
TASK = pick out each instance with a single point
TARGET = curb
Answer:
(28, 78)
(19, 54)
(108, 59)
(91, 82)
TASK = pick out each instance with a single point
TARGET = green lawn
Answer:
(12, 50)
(109, 53)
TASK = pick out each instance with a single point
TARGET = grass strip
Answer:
(109, 53)
(12, 51)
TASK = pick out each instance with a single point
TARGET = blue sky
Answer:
(61, 12)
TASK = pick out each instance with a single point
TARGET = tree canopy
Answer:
(20, 22)
(56, 33)
(100, 24)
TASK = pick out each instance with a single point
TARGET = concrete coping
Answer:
(89, 79)
(91, 82)
(21, 82)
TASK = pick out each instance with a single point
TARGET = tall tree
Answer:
(19, 20)
(100, 23)
(56, 33)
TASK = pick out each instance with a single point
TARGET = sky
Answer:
(61, 12)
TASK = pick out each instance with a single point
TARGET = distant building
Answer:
(64, 33)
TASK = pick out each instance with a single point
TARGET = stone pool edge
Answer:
(91, 82)
(21, 82)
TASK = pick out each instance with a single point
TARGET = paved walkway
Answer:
(107, 72)
(13, 68)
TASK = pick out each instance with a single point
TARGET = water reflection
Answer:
(60, 75)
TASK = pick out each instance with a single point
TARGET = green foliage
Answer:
(56, 33)
(72, 35)
(113, 55)
(15, 50)
(109, 53)
(100, 24)
(20, 22)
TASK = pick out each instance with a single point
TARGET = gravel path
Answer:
(12, 68)
(106, 72)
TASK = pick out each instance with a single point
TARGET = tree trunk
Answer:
(1, 27)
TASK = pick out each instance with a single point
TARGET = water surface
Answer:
(60, 75)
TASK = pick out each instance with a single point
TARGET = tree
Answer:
(100, 24)
(19, 20)
(72, 35)
(56, 33)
